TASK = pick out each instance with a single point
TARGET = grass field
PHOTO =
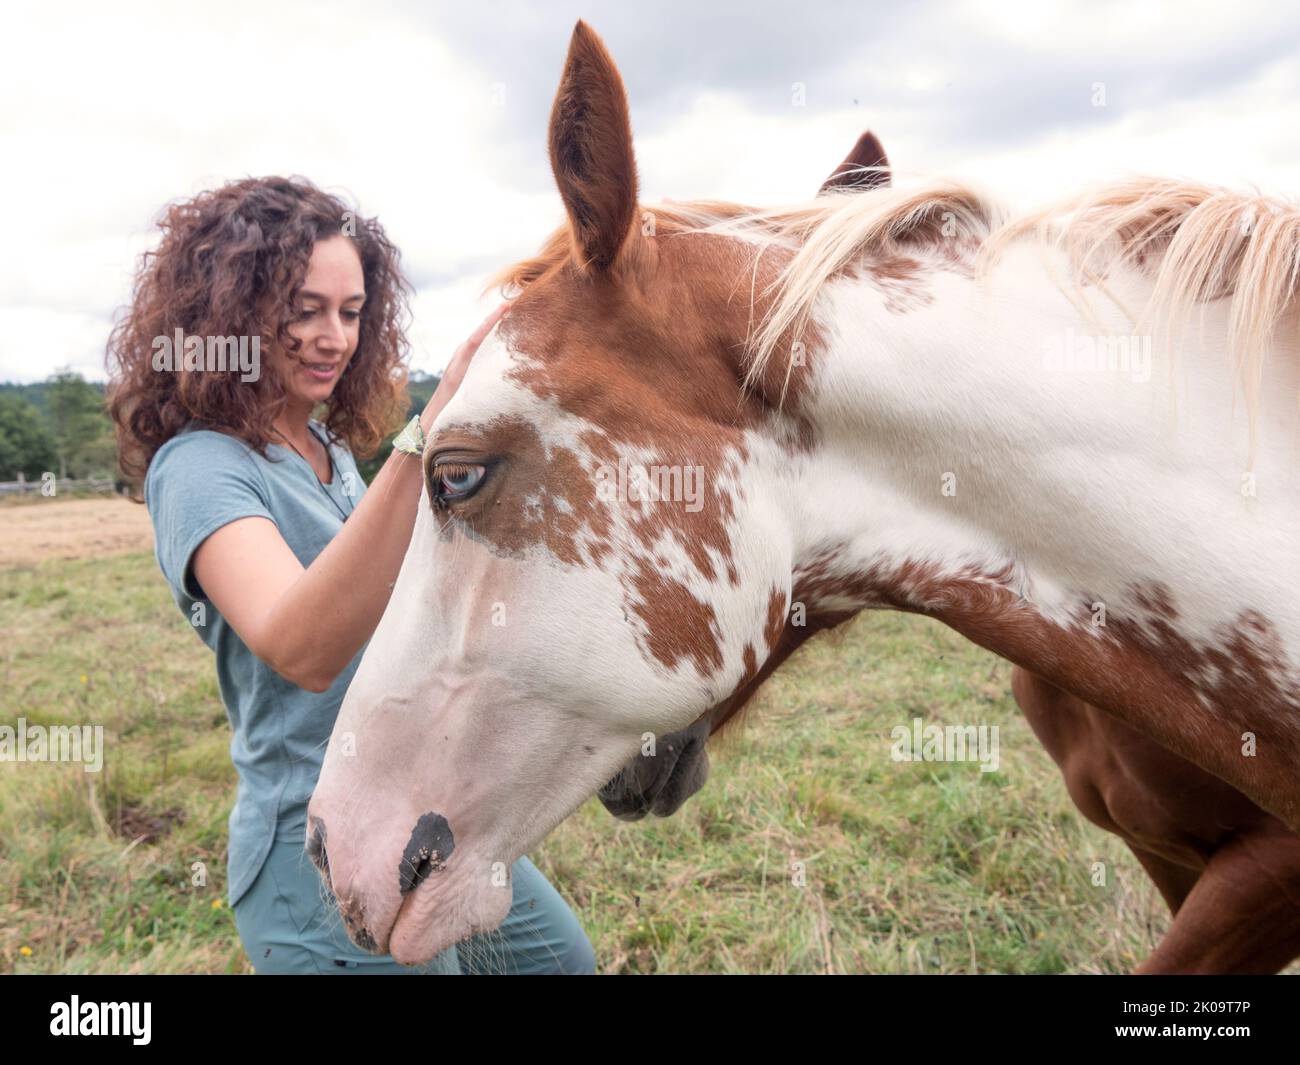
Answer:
(922, 867)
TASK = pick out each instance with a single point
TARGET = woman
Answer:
(275, 551)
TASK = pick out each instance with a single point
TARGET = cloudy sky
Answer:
(432, 116)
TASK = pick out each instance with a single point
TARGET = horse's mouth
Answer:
(659, 784)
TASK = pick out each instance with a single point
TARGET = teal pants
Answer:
(288, 924)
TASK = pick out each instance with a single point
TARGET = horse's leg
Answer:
(1174, 881)
(1243, 913)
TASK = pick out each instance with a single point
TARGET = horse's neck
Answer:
(1074, 522)
(968, 432)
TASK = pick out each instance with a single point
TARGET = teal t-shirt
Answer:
(197, 482)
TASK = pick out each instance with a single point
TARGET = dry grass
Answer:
(36, 529)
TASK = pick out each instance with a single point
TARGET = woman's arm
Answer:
(308, 623)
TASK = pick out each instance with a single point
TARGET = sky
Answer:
(432, 116)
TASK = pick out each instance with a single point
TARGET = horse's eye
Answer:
(454, 481)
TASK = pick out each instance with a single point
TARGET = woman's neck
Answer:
(293, 425)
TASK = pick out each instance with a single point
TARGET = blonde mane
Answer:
(1199, 243)
(830, 233)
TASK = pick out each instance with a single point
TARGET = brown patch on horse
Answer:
(905, 280)
(901, 280)
(678, 625)
(776, 617)
(650, 369)
(850, 175)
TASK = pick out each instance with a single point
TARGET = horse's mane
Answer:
(1198, 242)
(828, 234)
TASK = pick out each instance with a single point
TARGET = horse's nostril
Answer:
(316, 844)
(429, 848)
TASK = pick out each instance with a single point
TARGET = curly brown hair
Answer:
(230, 263)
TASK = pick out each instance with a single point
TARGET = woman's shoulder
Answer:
(195, 439)
(195, 452)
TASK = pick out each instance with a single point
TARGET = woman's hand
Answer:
(455, 371)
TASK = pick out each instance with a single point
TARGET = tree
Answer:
(25, 444)
(78, 424)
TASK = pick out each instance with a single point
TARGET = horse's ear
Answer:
(850, 175)
(591, 150)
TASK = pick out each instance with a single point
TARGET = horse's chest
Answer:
(1130, 785)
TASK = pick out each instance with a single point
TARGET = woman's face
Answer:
(327, 322)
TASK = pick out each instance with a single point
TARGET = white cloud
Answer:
(1237, 137)
(54, 339)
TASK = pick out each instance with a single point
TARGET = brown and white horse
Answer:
(701, 425)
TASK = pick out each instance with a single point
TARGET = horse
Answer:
(705, 431)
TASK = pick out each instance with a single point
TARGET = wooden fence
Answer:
(61, 486)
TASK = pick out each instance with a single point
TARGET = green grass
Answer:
(908, 867)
